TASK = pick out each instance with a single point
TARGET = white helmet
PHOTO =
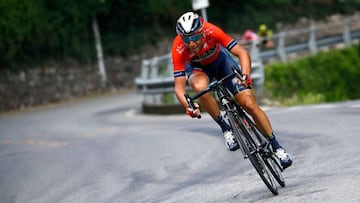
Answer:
(189, 24)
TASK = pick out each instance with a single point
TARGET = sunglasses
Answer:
(193, 38)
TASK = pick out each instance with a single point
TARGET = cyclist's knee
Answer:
(250, 106)
(197, 87)
(248, 102)
(198, 81)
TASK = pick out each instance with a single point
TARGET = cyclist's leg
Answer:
(244, 96)
(246, 99)
(199, 80)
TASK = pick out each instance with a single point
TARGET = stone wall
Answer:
(63, 82)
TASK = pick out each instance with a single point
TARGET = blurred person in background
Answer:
(265, 36)
(201, 53)
(249, 36)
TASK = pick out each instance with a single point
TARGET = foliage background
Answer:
(34, 32)
(324, 77)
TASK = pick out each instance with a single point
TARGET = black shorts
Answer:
(221, 67)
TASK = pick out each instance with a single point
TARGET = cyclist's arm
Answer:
(179, 86)
(244, 57)
(178, 55)
(233, 47)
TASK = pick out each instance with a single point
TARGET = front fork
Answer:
(228, 106)
(226, 101)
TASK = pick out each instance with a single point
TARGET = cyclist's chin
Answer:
(195, 50)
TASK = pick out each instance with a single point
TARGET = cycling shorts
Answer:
(221, 67)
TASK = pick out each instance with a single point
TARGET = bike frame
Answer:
(253, 144)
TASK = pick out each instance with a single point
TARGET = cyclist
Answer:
(200, 53)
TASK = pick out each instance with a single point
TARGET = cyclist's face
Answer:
(194, 43)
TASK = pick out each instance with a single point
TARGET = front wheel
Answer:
(275, 168)
(272, 162)
(264, 172)
(249, 147)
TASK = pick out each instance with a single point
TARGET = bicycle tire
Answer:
(249, 148)
(272, 162)
(261, 166)
(237, 134)
(265, 173)
(274, 167)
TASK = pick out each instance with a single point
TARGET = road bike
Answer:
(253, 144)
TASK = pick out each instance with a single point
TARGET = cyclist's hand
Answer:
(193, 112)
(246, 80)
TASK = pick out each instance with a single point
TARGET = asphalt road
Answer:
(104, 150)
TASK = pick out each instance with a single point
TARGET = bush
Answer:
(324, 77)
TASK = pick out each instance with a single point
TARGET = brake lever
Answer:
(239, 75)
(191, 103)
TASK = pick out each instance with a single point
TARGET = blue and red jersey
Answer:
(214, 38)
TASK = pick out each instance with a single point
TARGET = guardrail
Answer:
(156, 79)
(311, 40)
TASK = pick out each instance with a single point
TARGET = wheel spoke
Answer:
(249, 147)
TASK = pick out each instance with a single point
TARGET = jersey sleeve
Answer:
(178, 57)
(224, 39)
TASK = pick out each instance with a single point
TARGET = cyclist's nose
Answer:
(192, 44)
